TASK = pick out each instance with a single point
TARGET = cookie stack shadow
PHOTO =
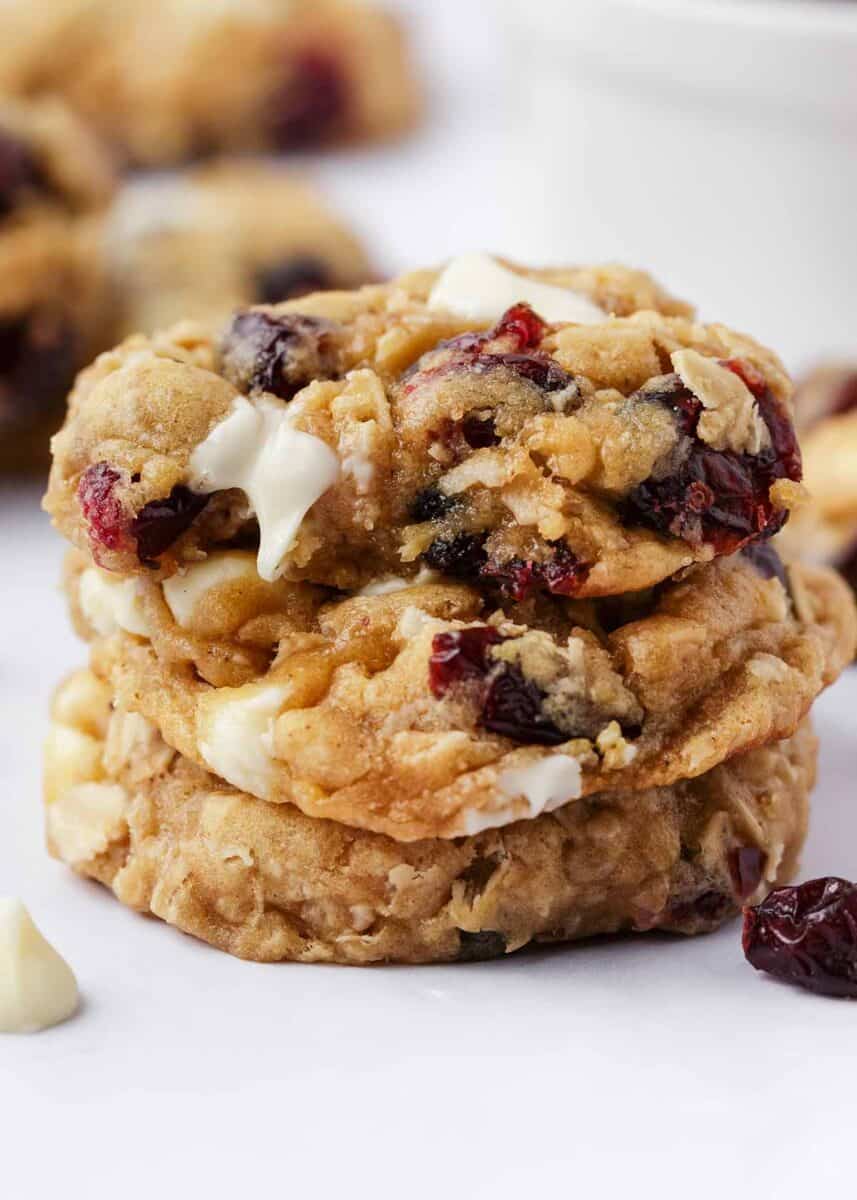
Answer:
(436, 619)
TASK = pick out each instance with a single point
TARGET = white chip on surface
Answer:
(37, 987)
(281, 470)
(477, 286)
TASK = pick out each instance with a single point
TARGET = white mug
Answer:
(714, 143)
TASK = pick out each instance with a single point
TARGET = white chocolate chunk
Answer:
(281, 470)
(86, 820)
(109, 603)
(235, 727)
(184, 591)
(394, 583)
(37, 987)
(476, 286)
(731, 420)
(543, 786)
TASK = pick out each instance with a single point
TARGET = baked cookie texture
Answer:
(573, 433)
(424, 712)
(825, 530)
(437, 617)
(207, 241)
(167, 81)
(55, 183)
(266, 882)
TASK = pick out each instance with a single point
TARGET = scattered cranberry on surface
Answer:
(807, 935)
(161, 522)
(311, 104)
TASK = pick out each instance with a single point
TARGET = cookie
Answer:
(569, 433)
(266, 882)
(55, 182)
(424, 711)
(825, 530)
(205, 242)
(167, 81)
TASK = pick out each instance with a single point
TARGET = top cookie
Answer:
(570, 431)
(170, 80)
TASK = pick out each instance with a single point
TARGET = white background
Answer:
(653, 1067)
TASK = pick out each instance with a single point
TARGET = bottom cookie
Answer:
(266, 882)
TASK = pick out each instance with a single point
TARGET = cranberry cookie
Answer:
(266, 882)
(54, 182)
(166, 81)
(206, 242)
(568, 432)
(826, 413)
(423, 711)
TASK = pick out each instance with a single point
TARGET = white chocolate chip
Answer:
(109, 603)
(37, 987)
(86, 820)
(768, 668)
(731, 420)
(184, 591)
(476, 286)
(535, 788)
(236, 729)
(281, 470)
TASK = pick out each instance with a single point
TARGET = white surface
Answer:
(655, 1067)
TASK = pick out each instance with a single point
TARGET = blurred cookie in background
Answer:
(55, 183)
(201, 243)
(826, 417)
(167, 81)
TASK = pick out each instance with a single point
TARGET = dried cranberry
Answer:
(562, 575)
(292, 277)
(160, 523)
(18, 172)
(513, 708)
(807, 935)
(38, 356)
(479, 433)
(511, 344)
(311, 104)
(460, 655)
(109, 527)
(719, 497)
(746, 865)
(767, 561)
(461, 556)
(277, 354)
(479, 947)
(431, 504)
(708, 910)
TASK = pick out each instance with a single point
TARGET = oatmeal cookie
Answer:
(266, 882)
(55, 181)
(422, 711)
(170, 80)
(825, 530)
(571, 433)
(205, 242)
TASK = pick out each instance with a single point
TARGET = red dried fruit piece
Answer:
(746, 866)
(512, 708)
(38, 355)
(311, 105)
(277, 354)
(807, 935)
(461, 557)
(109, 525)
(295, 276)
(715, 497)
(460, 655)
(523, 327)
(160, 523)
(767, 562)
(18, 172)
(562, 575)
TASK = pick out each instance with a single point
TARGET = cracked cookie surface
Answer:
(266, 882)
(594, 448)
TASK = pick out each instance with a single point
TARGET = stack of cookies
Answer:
(437, 618)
